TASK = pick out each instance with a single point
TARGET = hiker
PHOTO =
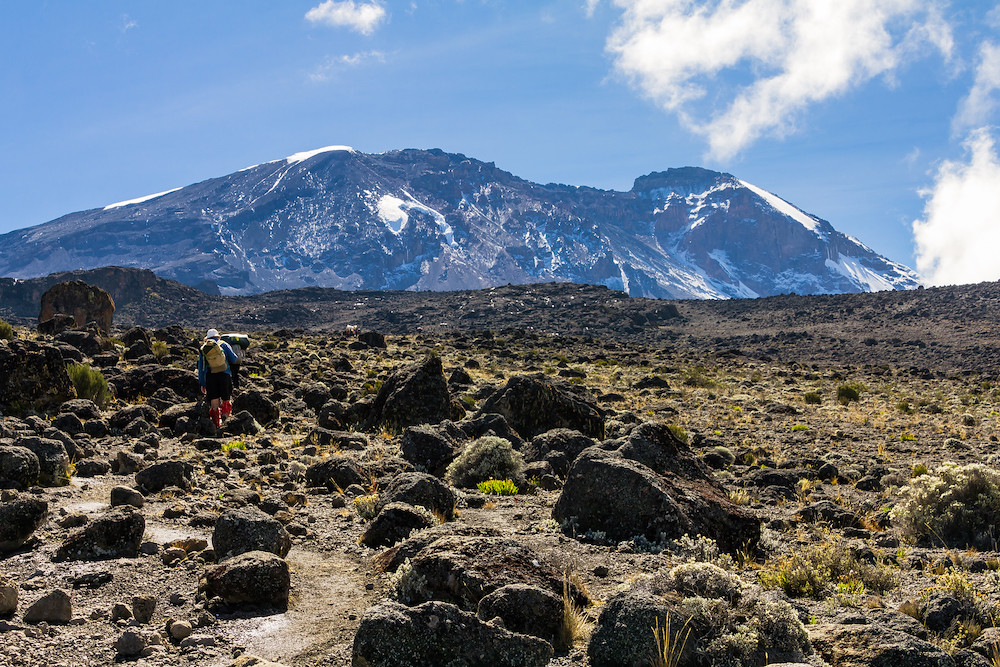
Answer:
(214, 376)
(239, 343)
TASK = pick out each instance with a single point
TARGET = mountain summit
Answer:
(429, 220)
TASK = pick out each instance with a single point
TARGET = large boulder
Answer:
(159, 476)
(263, 409)
(417, 394)
(534, 404)
(525, 609)
(33, 376)
(53, 607)
(116, 534)
(144, 380)
(248, 529)
(53, 462)
(394, 523)
(874, 646)
(19, 518)
(417, 488)
(432, 447)
(335, 472)
(122, 418)
(18, 467)
(84, 302)
(251, 578)
(436, 633)
(559, 447)
(653, 486)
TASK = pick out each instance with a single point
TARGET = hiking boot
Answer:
(227, 408)
(216, 416)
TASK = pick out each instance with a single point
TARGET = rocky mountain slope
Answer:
(429, 220)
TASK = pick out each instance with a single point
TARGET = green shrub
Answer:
(812, 571)
(679, 433)
(847, 393)
(365, 506)
(957, 505)
(89, 383)
(812, 398)
(498, 487)
(160, 349)
(704, 580)
(6, 330)
(488, 457)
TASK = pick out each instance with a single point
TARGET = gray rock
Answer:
(417, 488)
(535, 404)
(564, 441)
(54, 607)
(432, 447)
(143, 607)
(130, 644)
(18, 467)
(525, 609)
(335, 472)
(252, 578)
(159, 476)
(873, 646)
(123, 495)
(116, 534)
(623, 635)
(394, 523)
(19, 518)
(8, 596)
(53, 462)
(249, 529)
(417, 394)
(437, 633)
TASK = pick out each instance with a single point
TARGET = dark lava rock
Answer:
(54, 607)
(123, 495)
(390, 559)
(146, 379)
(565, 441)
(84, 408)
(33, 375)
(92, 468)
(535, 404)
(19, 518)
(488, 423)
(251, 578)
(53, 462)
(652, 485)
(125, 416)
(436, 633)
(394, 523)
(417, 394)
(18, 467)
(873, 646)
(249, 529)
(322, 437)
(417, 488)
(86, 303)
(524, 609)
(336, 472)
(116, 534)
(257, 404)
(829, 512)
(159, 476)
(432, 447)
(69, 423)
(624, 632)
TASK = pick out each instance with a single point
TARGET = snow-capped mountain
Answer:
(416, 219)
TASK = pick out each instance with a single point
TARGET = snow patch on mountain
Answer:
(852, 268)
(782, 206)
(305, 155)
(392, 211)
(138, 200)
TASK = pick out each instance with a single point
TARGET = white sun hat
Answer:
(212, 333)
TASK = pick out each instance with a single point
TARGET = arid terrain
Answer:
(811, 438)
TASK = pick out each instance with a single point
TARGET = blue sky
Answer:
(877, 115)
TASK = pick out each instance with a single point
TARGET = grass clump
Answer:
(488, 457)
(848, 393)
(235, 444)
(365, 506)
(498, 487)
(813, 571)
(6, 330)
(956, 505)
(89, 383)
(812, 398)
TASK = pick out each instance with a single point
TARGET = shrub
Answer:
(704, 580)
(6, 330)
(408, 586)
(849, 392)
(679, 433)
(958, 505)
(365, 506)
(498, 487)
(488, 457)
(160, 350)
(811, 571)
(812, 398)
(89, 383)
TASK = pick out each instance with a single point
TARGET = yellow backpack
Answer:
(215, 358)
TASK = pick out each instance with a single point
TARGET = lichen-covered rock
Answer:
(263, 409)
(417, 394)
(251, 578)
(418, 488)
(535, 404)
(335, 472)
(436, 633)
(651, 485)
(116, 534)
(18, 467)
(526, 609)
(53, 462)
(86, 303)
(560, 447)
(19, 518)
(159, 476)
(145, 379)
(249, 529)
(432, 447)
(33, 376)
(394, 523)
(122, 418)
(874, 646)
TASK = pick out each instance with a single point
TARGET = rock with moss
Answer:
(18, 467)
(53, 462)
(526, 609)
(421, 489)
(416, 394)
(247, 529)
(115, 534)
(863, 645)
(437, 633)
(534, 404)
(394, 523)
(258, 578)
(33, 376)
(19, 518)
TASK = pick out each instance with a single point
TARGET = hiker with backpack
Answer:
(215, 377)
(239, 343)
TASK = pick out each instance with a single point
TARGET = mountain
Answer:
(429, 220)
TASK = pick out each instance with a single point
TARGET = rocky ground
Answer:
(321, 527)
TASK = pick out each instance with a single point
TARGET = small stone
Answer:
(123, 495)
(55, 607)
(143, 607)
(172, 555)
(131, 643)
(180, 630)
(198, 640)
(177, 599)
(8, 596)
(120, 612)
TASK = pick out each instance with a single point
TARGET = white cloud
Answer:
(794, 53)
(590, 7)
(334, 64)
(128, 23)
(977, 108)
(363, 17)
(958, 238)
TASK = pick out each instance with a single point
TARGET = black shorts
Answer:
(218, 385)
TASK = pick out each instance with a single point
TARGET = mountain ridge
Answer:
(426, 219)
